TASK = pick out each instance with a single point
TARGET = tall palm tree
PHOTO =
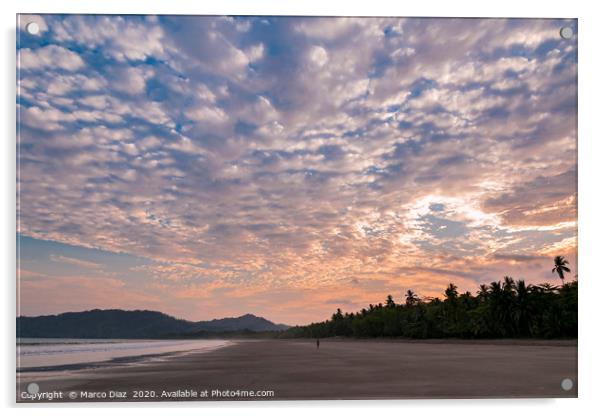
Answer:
(497, 309)
(523, 308)
(560, 267)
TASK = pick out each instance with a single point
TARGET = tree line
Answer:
(503, 309)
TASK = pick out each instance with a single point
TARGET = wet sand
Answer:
(340, 369)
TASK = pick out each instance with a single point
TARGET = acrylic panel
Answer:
(283, 208)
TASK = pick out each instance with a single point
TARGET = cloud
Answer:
(45, 119)
(255, 52)
(318, 56)
(75, 262)
(120, 37)
(49, 56)
(545, 200)
(296, 155)
(516, 257)
(130, 80)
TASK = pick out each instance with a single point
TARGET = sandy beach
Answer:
(340, 369)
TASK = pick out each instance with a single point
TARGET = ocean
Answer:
(49, 353)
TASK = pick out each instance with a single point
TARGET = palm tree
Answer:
(483, 292)
(451, 293)
(546, 288)
(411, 298)
(522, 308)
(509, 285)
(497, 309)
(560, 267)
(390, 302)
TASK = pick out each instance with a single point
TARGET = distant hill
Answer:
(244, 322)
(116, 323)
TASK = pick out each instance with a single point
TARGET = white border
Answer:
(590, 162)
(463, 8)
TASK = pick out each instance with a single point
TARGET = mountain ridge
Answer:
(139, 323)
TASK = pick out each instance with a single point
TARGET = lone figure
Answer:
(317, 343)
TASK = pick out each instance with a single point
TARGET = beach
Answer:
(340, 369)
(68, 354)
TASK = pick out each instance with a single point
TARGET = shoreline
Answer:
(113, 362)
(116, 361)
(124, 361)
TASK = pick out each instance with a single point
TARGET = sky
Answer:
(287, 166)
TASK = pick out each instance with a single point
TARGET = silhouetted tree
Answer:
(560, 267)
(390, 303)
(507, 308)
(411, 298)
(451, 293)
(483, 292)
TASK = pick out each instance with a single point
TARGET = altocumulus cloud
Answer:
(295, 155)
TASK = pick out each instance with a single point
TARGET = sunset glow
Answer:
(214, 166)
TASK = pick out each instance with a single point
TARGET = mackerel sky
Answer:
(215, 166)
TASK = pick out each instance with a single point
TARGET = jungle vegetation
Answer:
(502, 309)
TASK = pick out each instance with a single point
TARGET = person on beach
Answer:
(317, 343)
